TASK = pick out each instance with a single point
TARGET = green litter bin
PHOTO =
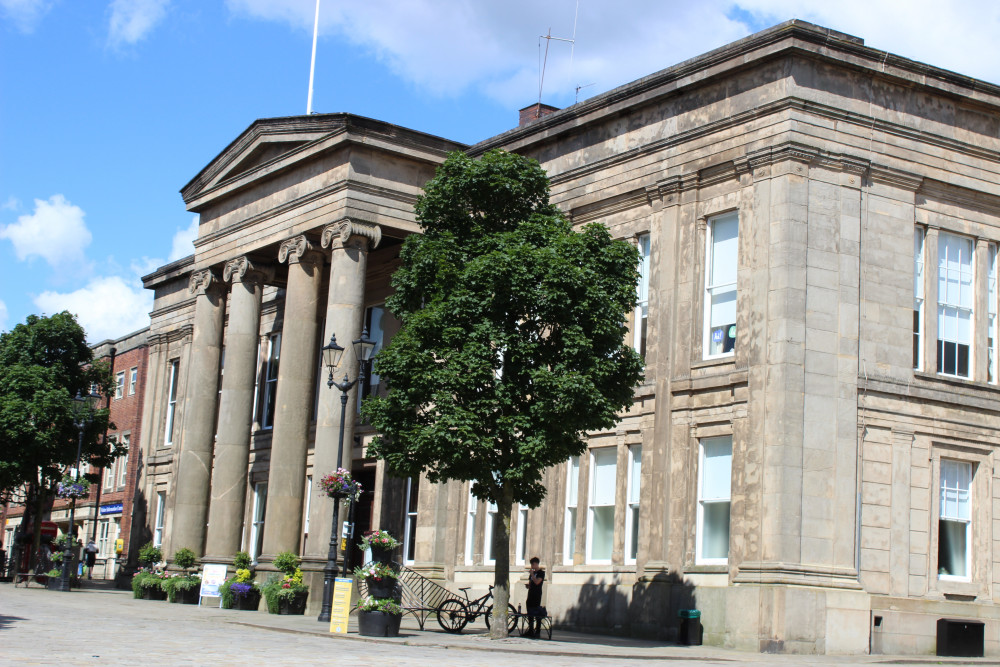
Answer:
(690, 634)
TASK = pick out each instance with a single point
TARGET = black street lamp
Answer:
(83, 412)
(364, 348)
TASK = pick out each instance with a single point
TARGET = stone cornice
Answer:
(365, 235)
(174, 335)
(956, 194)
(798, 38)
(298, 249)
(795, 574)
(244, 270)
(316, 195)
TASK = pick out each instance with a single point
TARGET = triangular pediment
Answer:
(262, 148)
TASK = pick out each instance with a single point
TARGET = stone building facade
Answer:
(810, 458)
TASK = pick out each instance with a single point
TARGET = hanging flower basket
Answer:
(340, 484)
(73, 488)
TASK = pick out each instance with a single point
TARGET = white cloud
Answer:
(3, 316)
(24, 14)
(183, 240)
(106, 307)
(12, 204)
(131, 20)
(55, 231)
(492, 47)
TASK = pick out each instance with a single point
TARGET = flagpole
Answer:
(312, 66)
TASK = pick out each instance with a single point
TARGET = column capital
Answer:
(243, 270)
(298, 250)
(343, 233)
(203, 281)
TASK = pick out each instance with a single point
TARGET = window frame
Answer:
(161, 510)
(258, 518)
(593, 507)
(634, 482)
(571, 511)
(991, 314)
(970, 508)
(714, 290)
(958, 308)
(171, 416)
(125, 439)
(470, 527)
(410, 520)
(119, 385)
(488, 525)
(700, 558)
(133, 379)
(919, 295)
(640, 320)
(521, 541)
(270, 391)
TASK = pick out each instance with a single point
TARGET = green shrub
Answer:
(184, 558)
(286, 562)
(241, 561)
(150, 555)
(142, 580)
(179, 583)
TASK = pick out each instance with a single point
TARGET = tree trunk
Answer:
(501, 577)
(36, 535)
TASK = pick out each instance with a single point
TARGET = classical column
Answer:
(349, 242)
(232, 442)
(194, 465)
(293, 405)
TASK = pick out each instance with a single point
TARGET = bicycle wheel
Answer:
(452, 615)
(511, 618)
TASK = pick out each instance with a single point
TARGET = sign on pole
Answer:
(340, 611)
(211, 579)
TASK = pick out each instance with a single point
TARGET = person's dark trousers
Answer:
(534, 622)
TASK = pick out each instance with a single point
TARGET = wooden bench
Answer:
(27, 578)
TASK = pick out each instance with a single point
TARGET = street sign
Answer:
(340, 611)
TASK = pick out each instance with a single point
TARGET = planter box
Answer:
(381, 555)
(154, 593)
(52, 583)
(378, 624)
(190, 596)
(382, 589)
(248, 602)
(295, 606)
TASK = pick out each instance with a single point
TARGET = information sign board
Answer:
(211, 579)
(340, 611)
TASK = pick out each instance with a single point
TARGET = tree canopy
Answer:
(44, 362)
(512, 339)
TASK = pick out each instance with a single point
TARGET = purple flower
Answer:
(240, 590)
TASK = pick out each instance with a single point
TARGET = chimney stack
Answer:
(530, 114)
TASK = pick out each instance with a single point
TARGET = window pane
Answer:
(633, 546)
(952, 548)
(715, 533)
(573, 481)
(603, 475)
(717, 465)
(602, 533)
(635, 474)
(570, 545)
(725, 245)
(723, 308)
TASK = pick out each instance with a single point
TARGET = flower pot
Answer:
(190, 596)
(378, 624)
(380, 555)
(154, 593)
(381, 588)
(295, 606)
(248, 602)
(52, 583)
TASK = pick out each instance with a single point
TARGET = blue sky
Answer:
(107, 108)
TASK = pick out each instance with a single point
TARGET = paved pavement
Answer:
(108, 627)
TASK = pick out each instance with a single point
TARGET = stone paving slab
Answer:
(41, 627)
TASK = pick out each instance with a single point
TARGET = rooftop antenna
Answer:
(548, 39)
(579, 88)
(312, 66)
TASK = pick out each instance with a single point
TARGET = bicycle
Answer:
(454, 614)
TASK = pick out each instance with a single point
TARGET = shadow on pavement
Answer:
(8, 620)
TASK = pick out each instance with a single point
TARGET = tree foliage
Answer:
(44, 362)
(512, 339)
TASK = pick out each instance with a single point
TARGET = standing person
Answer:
(536, 577)
(90, 557)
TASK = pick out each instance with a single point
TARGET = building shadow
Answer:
(647, 609)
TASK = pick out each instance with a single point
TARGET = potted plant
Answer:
(288, 594)
(70, 488)
(379, 578)
(381, 544)
(379, 618)
(150, 555)
(183, 587)
(340, 484)
(52, 578)
(147, 585)
(240, 591)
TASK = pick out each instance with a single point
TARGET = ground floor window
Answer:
(955, 522)
(161, 506)
(257, 527)
(601, 517)
(714, 485)
(410, 528)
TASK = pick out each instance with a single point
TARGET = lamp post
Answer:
(83, 409)
(363, 350)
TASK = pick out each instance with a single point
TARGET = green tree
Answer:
(43, 364)
(512, 340)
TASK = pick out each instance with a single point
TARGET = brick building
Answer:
(810, 459)
(107, 513)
